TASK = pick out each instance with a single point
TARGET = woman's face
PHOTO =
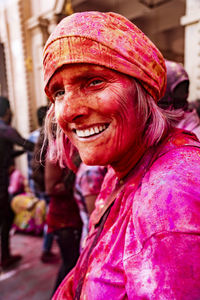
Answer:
(94, 106)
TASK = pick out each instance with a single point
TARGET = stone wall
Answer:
(191, 21)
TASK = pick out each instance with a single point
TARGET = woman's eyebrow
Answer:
(85, 76)
(88, 74)
(54, 86)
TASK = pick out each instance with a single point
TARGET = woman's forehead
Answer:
(84, 67)
(84, 70)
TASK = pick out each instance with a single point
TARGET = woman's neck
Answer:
(128, 161)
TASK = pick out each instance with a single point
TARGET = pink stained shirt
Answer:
(150, 244)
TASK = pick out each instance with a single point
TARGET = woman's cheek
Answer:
(108, 102)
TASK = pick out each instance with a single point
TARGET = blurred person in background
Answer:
(63, 217)
(36, 182)
(86, 189)
(104, 78)
(176, 97)
(9, 137)
(33, 137)
(17, 182)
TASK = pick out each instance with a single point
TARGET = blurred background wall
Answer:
(173, 25)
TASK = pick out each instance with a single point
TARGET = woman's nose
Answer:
(72, 108)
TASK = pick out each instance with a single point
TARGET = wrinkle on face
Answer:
(96, 95)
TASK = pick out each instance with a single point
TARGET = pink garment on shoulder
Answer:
(150, 244)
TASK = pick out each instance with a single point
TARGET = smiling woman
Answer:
(104, 78)
(94, 113)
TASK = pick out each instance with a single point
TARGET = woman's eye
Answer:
(95, 82)
(58, 95)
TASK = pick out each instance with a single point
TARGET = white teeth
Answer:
(96, 129)
(86, 132)
(91, 131)
(81, 133)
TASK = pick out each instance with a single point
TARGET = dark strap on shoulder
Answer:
(85, 263)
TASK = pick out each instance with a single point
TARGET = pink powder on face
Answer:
(93, 96)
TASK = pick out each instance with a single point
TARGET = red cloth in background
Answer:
(63, 210)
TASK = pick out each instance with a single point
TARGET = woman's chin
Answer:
(91, 160)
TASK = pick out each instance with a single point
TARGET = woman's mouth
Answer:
(95, 130)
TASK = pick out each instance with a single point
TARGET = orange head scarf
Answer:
(109, 40)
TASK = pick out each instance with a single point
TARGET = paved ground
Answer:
(30, 279)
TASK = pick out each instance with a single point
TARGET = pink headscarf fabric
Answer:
(109, 40)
